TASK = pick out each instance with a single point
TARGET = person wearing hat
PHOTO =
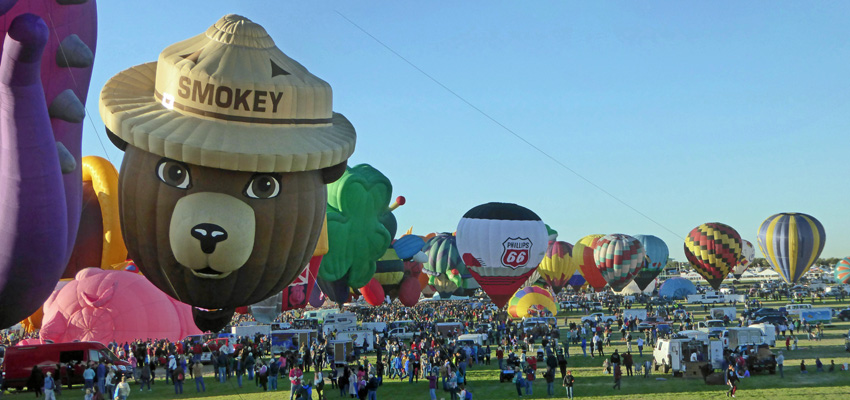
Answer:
(49, 386)
(229, 144)
(372, 387)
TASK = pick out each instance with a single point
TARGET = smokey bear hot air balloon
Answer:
(748, 252)
(656, 254)
(557, 267)
(713, 249)
(791, 242)
(501, 244)
(582, 256)
(619, 257)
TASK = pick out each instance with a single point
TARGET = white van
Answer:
(795, 309)
(320, 313)
(768, 332)
(472, 338)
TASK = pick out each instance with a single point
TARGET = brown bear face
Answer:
(216, 238)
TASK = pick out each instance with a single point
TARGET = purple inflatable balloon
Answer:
(40, 139)
(317, 298)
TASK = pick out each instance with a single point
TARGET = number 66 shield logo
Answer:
(515, 252)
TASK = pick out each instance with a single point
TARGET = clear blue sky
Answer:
(690, 112)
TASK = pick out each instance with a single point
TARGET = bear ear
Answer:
(117, 141)
(332, 173)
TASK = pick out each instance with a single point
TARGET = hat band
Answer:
(170, 102)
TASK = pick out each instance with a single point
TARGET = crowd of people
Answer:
(524, 353)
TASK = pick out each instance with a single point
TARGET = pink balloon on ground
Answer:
(121, 306)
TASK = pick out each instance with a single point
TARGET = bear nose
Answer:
(209, 235)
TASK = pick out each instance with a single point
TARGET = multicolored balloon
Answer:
(531, 299)
(501, 244)
(791, 242)
(557, 267)
(748, 252)
(713, 249)
(842, 272)
(443, 259)
(619, 257)
(577, 281)
(582, 256)
(657, 254)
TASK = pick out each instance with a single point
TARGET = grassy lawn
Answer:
(590, 380)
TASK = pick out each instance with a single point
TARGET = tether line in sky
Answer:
(501, 125)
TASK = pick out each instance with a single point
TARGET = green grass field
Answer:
(590, 380)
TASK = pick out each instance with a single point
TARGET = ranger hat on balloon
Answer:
(229, 145)
(228, 98)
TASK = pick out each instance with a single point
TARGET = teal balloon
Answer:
(656, 259)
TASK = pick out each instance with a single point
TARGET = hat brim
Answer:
(130, 110)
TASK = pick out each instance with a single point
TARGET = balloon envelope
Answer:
(582, 255)
(677, 288)
(842, 271)
(443, 261)
(501, 244)
(557, 267)
(748, 252)
(106, 306)
(619, 257)
(633, 288)
(576, 281)
(531, 298)
(657, 254)
(713, 249)
(791, 242)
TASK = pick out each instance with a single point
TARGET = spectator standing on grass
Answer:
(88, 377)
(122, 390)
(519, 381)
(780, 364)
(198, 373)
(803, 367)
(618, 377)
(584, 347)
(274, 370)
(432, 385)
(731, 381)
(549, 375)
(177, 378)
(640, 346)
(569, 380)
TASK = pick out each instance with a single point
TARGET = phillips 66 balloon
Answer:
(713, 249)
(619, 258)
(501, 244)
(656, 253)
(748, 252)
(791, 242)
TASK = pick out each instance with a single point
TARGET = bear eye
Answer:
(173, 173)
(263, 186)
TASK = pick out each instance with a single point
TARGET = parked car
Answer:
(772, 319)
(649, 322)
(844, 314)
(20, 360)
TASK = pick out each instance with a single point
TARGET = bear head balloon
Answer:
(228, 147)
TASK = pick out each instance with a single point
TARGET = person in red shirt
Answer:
(500, 355)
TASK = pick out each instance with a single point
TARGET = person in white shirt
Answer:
(694, 357)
